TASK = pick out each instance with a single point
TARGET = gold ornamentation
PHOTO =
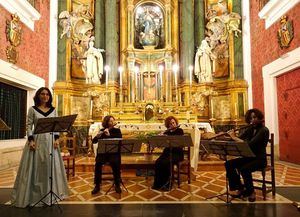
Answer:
(13, 35)
(12, 54)
(285, 33)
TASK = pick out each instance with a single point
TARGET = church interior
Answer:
(197, 80)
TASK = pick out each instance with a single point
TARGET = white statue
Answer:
(93, 65)
(203, 60)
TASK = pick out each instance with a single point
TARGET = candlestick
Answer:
(106, 68)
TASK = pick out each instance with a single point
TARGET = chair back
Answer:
(270, 154)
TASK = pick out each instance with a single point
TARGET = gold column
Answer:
(130, 23)
(175, 31)
(123, 44)
(168, 25)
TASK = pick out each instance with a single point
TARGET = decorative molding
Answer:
(23, 9)
(18, 77)
(53, 43)
(274, 9)
(282, 65)
(247, 49)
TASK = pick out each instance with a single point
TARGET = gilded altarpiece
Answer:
(151, 58)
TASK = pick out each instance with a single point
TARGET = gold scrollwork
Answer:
(14, 36)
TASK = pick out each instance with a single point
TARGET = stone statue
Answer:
(93, 64)
(203, 60)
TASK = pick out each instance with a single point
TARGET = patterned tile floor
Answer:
(206, 184)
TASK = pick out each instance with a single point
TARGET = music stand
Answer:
(51, 125)
(170, 142)
(227, 148)
(3, 126)
(117, 146)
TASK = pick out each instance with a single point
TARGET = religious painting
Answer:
(149, 86)
(149, 26)
(221, 107)
(83, 26)
(80, 105)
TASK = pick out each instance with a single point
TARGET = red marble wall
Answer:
(265, 47)
(34, 48)
(288, 89)
(264, 50)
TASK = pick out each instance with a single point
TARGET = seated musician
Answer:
(256, 136)
(162, 164)
(108, 131)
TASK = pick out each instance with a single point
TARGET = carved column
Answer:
(130, 23)
(99, 24)
(187, 38)
(199, 22)
(112, 38)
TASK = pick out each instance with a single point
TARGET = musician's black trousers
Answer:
(113, 160)
(162, 166)
(244, 166)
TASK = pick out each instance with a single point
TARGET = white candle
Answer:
(175, 70)
(161, 68)
(106, 68)
(121, 70)
(191, 75)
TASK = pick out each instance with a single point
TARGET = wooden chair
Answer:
(267, 185)
(69, 145)
(183, 167)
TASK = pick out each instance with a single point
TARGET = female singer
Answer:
(162, 164)
(32, 181)
(256, 137)
(108, 131)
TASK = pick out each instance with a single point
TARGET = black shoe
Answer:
(118, 189)
(96, 189)
(252, 197)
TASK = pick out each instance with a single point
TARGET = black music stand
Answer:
(227, 148)
(170, 142)
(118, 146)
(51, 125)
(3, 126)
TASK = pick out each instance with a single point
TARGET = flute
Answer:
(237, 129)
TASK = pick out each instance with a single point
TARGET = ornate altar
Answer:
(145, 61)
